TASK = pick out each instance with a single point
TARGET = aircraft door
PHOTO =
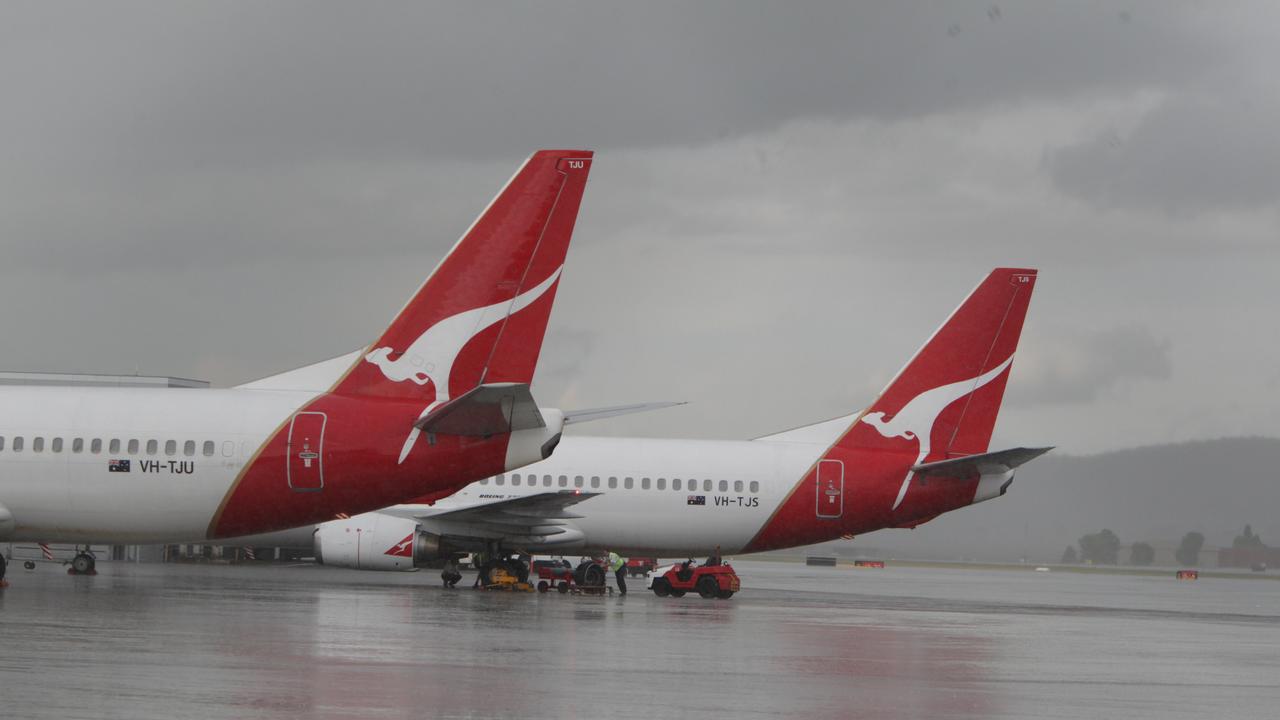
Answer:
(830, 489)
(305, 450)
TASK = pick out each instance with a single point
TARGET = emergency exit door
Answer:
(830, 488)
(305, 450)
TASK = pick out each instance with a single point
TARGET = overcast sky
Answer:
(786, 199)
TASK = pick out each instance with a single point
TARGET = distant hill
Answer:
(1152, 494)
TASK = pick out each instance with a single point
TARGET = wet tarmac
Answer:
(167, 641)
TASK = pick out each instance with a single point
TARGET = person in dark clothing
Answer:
(450, 574)
(714, 560)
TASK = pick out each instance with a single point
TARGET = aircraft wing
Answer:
(542, 519)
(966, 468)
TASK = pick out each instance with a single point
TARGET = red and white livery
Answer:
(440, 398)
(920, 450)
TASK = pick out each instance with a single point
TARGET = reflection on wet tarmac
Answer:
(141, 641)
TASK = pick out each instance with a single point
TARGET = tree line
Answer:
(1103, 548)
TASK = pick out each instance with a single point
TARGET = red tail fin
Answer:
(945, 401)
(481, 316)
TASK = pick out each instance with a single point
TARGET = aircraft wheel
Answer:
(563, 587)
(661, 587)
(83, 564)
(3, 565)
(542, 586)
(30, 564)
(708, 587)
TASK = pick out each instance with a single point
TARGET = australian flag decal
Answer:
(697, 499)
(117, 466)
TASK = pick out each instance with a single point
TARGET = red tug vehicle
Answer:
(709, 581)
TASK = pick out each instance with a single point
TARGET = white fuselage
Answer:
(683, 495)
(646, 504)
(185, 448)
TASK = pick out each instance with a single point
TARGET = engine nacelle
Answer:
(376, 541)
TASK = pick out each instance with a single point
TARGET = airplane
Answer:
(919, 450)
(441, 396)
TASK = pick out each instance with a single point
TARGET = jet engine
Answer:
(376, 541)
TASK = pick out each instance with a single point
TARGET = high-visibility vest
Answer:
(616, 562)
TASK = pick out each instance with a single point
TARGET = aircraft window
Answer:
(500, 480)
(95, 446)
(56, 445)
(1, 442)
(577, 481)
(661, 484)
(114, 446)
(189, 448)
(228, 448)
(77, 445)
(644, 483)
(133, 447)
(484, 481)
(724, 486)
(595, 481)
(152, 446)
(515, 478)
(37, 444)
(170, 447)
(706, 486)
(628, 483)
(564, 481)
(17, 444)
(613, 483)
(208, 448)
(755, 487)
(737, 486)
(675, 483)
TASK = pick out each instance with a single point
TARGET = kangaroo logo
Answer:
(402, 548)
(430, 358)
(916, 419)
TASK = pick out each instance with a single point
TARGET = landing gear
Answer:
(4, 564)
(83, 564)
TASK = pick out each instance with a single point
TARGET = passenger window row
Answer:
(611, 483)
(17, 444)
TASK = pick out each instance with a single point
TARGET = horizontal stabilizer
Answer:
(967, 467)
(485, 410)
(581, 416)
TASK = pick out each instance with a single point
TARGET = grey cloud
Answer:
(1064, 366)
(133, 89)
(1192, 153)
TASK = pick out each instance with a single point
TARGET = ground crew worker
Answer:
(618, 565)
(451, 575)
(714, 560)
